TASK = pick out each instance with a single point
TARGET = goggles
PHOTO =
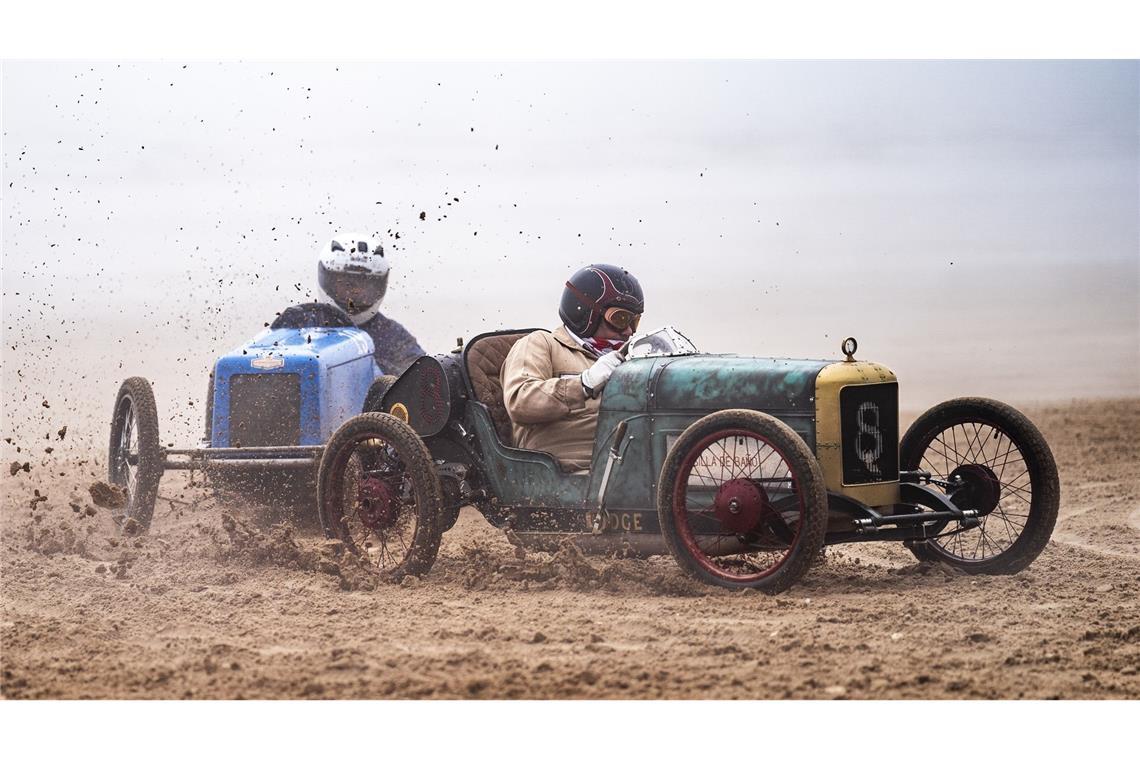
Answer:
(620, 318)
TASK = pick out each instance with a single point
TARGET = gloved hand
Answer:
(596, 376)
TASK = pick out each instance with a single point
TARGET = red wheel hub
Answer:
(740, 505)
(379, 504)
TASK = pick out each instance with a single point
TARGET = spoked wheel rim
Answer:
(127, 456)
(738, 506)
(379, 511)
(997, 482)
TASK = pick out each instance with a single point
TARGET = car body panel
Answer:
(658, 397)
(333, 369)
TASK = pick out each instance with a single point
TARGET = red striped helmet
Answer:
(593, 289)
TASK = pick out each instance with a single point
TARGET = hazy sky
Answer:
(975, 225)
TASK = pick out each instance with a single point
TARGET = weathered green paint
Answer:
(658, 397)
(661, 396)
(523, 478)
(714, 382)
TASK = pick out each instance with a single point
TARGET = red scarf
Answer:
(602, 344)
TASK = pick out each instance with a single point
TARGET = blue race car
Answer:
(272, 404)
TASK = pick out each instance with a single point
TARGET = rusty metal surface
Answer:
(243, 465)
(713, 382)
(661, 396)
(519, 477)
(658, 397)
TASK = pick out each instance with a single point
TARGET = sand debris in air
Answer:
(280, 547)
(107, 496)
(484, 567)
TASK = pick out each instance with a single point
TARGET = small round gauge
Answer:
(850, 346)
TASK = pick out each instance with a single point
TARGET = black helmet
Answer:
(593, 289)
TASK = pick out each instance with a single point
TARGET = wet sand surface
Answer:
(218, 602)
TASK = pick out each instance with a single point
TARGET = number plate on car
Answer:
(870, 424)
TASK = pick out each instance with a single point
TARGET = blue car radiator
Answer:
(291, 387)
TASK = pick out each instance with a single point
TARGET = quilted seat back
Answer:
(485, 357)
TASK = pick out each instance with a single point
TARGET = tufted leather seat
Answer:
(485, 357)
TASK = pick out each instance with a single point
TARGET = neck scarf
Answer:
(597, 345)
(604, 346)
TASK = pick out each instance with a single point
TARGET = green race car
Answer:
(742, 468)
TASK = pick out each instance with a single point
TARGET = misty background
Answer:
(973, 224)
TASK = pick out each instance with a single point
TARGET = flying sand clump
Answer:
(107, 496)
(280, 548)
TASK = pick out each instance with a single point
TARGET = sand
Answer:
(217, 602)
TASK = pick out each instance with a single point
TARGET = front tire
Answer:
(1009, 476)
(378, 493)
(134, 458)
(742, 501)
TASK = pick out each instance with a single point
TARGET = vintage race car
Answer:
(272, 403)
(742, 468)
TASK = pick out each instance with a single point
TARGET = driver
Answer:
(353, 274)
(552, 381)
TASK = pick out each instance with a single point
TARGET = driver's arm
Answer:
(531, 391)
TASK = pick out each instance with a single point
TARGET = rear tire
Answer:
(742, 501)
(134, 458)
(379, 494)
(1013, 482)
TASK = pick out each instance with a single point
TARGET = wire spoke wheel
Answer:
(987, 460)
(134, 460)
(1002, 468)
(127, 454)
(724, 498)
(380, 512)
(380, 496)
(742, 502)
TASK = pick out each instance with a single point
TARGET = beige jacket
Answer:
(545, 400)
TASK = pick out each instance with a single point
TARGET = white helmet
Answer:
(353, 274)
